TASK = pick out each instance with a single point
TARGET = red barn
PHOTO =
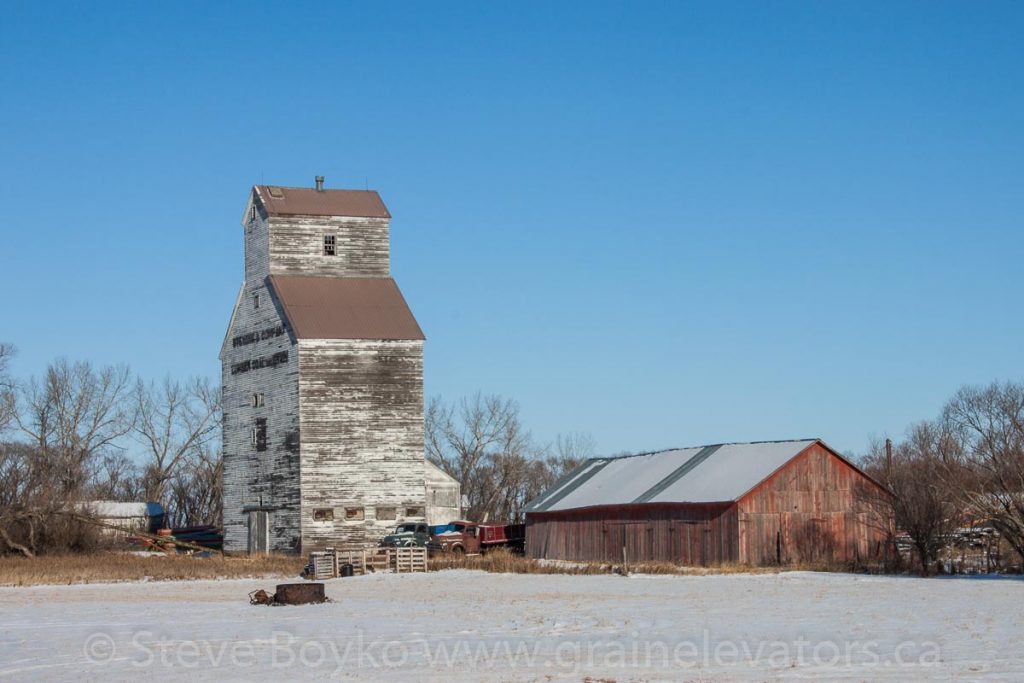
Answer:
(749, 503)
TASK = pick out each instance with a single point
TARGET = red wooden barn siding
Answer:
(809, 511)
(690, 534)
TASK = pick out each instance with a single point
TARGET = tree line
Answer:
(961, 470)
(481, 442)
(79, 433)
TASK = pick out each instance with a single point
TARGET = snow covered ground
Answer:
(469, 626)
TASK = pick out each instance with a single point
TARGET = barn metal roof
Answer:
(345, 308)
(306, 201)
(704, 474)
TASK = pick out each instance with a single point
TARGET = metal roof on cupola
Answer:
(278, 200)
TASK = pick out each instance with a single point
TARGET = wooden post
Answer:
(888, 460)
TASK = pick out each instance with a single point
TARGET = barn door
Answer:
(639, 541)
(259, 532)
(613, 539)
(692, 543)
(628, 541)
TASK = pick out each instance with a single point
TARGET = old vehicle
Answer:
(407, 534)
(471, 538)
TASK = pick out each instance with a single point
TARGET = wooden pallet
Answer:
(407, 560)
(324, 565)
(327, 564)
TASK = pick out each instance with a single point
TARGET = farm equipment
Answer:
(182, 539)
(407, 535)
(196, 539)
(472, 538)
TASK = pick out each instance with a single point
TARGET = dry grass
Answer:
(111, 567)
(114, 567)
(504, 562)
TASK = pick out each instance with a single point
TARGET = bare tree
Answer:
(463, 438)
(921, 504)
(554, 462)
(482, 442)
(73, 416)
(195, 491)
(7, 390)
(571, 449)
(517, 480)
(18, 484)
(172, 421)
(873, 500)
(988, 423)
(74, 422)
(32, 517)
(116, 478)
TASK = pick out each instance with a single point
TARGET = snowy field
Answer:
(469, 626)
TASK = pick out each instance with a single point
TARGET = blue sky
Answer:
(663, 224)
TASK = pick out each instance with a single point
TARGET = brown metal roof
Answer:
(305, 201)
(345, 308)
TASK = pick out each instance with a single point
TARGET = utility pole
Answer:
(888, 460)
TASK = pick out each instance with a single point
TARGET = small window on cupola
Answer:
(255, 300)
(328, 245)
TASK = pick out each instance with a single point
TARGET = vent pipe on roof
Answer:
(319, 183)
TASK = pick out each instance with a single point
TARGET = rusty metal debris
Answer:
(290, 594)
(260, 597)
(299, 593)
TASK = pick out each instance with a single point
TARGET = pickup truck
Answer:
(407, 534)
(471, 538)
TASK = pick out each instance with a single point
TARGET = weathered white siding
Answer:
(361, 246)
(444, 496)
(361, 404)
(252, 362)
(257, 249)
(344, 417)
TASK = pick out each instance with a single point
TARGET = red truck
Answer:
(471, 538)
